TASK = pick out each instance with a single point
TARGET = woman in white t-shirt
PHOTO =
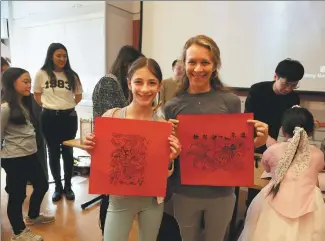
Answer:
(58, 90)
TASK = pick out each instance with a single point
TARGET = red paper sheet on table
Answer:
(217, 149)
(131, 157)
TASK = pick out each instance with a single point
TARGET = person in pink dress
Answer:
(291, 206)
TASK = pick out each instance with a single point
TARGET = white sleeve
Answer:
(78, 90)
(38, 82)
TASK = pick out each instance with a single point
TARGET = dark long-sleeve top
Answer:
(107, 94)
(269, 107)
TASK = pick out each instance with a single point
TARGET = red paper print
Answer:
(131, 157)
(217, 150)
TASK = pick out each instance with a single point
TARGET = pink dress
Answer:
(297, 212)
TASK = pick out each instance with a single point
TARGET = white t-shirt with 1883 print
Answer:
(56, 96)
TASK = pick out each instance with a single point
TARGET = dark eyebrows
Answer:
(203, 60)
(138, 78)
(61, 54)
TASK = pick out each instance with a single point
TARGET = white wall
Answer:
(4, 17)
(5, 51)
(92, 31)
(4, 29)
(80, 26)
(253, 36)
(4, 9)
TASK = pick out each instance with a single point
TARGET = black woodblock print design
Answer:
(216, 152)
(129, 159)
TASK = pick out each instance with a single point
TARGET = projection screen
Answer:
(252, 36)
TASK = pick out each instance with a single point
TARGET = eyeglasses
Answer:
(292, 86)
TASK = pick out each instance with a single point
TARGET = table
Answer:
(258, 182)
(74, 143)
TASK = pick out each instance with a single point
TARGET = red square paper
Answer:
(217, 149)
(131, 157)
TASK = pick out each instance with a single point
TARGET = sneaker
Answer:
(41, 219)
(27, 235)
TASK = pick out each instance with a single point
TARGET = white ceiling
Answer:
(36, 7)
(22, 9)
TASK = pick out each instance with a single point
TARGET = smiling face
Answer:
(199, 67)
(60, 58)
(23, 85)
(144, 86)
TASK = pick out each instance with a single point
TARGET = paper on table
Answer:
(321, 180)
(86, 127)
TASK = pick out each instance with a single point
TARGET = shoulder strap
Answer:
(155, 117)
(111, 112)
(111, 76)
(122, 113)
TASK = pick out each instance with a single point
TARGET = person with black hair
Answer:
(41, 147)
(18, 154)
(170, 86)
(110, 92)
(291, 206)
(268, 100)
(58, 90)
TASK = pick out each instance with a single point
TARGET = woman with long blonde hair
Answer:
(203, 92)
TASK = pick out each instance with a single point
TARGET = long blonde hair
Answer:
(213, 48)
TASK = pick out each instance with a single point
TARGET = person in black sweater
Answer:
(268, 101)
